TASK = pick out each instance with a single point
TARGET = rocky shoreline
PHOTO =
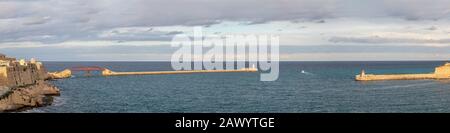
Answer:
(36, 95)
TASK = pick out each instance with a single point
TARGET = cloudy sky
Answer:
(114, 30)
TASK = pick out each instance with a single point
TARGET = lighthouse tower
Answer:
(363, 73)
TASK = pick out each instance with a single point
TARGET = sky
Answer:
(309, 30)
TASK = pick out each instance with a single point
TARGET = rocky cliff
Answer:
(23, 85)
(60, 75)
(35, 95)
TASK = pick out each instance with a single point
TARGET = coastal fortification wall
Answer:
(21, 73)
(22, 84)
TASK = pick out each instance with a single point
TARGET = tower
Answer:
(363, 73)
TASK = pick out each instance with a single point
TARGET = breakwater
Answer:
(108, 72)
(67, 73)
(441, 72)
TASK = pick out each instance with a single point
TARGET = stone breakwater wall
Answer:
(368, 77)
(23, 85)
(17, 74)
(108, 72)
(441, 72)
(67, 73)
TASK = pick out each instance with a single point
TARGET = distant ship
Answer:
(303, 71)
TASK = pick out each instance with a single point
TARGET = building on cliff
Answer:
(15, 73)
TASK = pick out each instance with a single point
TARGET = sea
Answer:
(302, 87)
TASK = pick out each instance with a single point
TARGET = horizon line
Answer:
(245, 61)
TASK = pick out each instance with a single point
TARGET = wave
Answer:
(34, 110)
(57, 101)
(306, 73)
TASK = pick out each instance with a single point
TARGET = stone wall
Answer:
(17, 74)
(443, 71)
(23, 85)
(369, 77)
(3, 76)
(21, 73)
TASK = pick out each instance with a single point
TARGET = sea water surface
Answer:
(301, 87)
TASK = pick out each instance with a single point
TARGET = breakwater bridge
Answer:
(86, 69)
(67, 73)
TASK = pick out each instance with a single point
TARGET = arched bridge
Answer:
(67, 73)
(86, 69)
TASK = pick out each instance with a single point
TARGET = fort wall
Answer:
(22, 84)
(21, 73)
